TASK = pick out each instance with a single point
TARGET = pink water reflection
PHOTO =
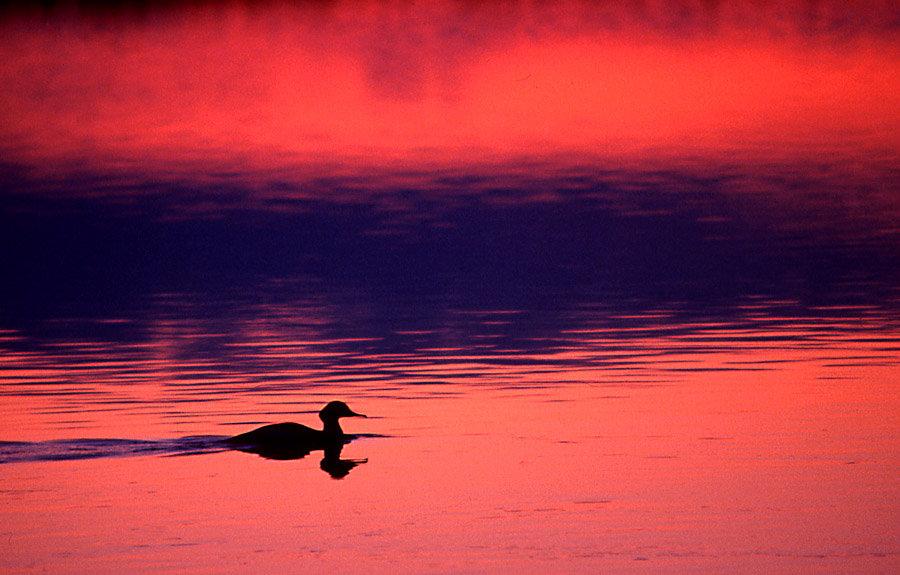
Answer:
(716, 449)
(281, 104)
(671, 161)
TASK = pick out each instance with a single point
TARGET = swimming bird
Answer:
(293, 441)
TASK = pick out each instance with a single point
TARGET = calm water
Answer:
(611, 435)
(616, 283)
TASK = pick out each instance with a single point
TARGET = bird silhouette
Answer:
(294, 441)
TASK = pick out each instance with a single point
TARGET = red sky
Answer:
(273, 86)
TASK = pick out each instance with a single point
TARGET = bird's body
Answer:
(281, 433)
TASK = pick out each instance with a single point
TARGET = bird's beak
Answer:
(354, 414)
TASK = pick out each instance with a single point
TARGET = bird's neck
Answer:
(332, 428)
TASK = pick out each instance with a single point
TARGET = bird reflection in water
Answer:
(294, 441)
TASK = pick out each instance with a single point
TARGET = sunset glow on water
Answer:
(265, 91)
(713, 446)
(617, 285)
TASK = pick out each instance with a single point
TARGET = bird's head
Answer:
(336, 410)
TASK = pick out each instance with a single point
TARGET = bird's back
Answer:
(279, 434)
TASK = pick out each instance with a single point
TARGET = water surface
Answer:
(617, 284)
(570, 440)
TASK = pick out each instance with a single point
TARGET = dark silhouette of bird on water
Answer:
(294, 441)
